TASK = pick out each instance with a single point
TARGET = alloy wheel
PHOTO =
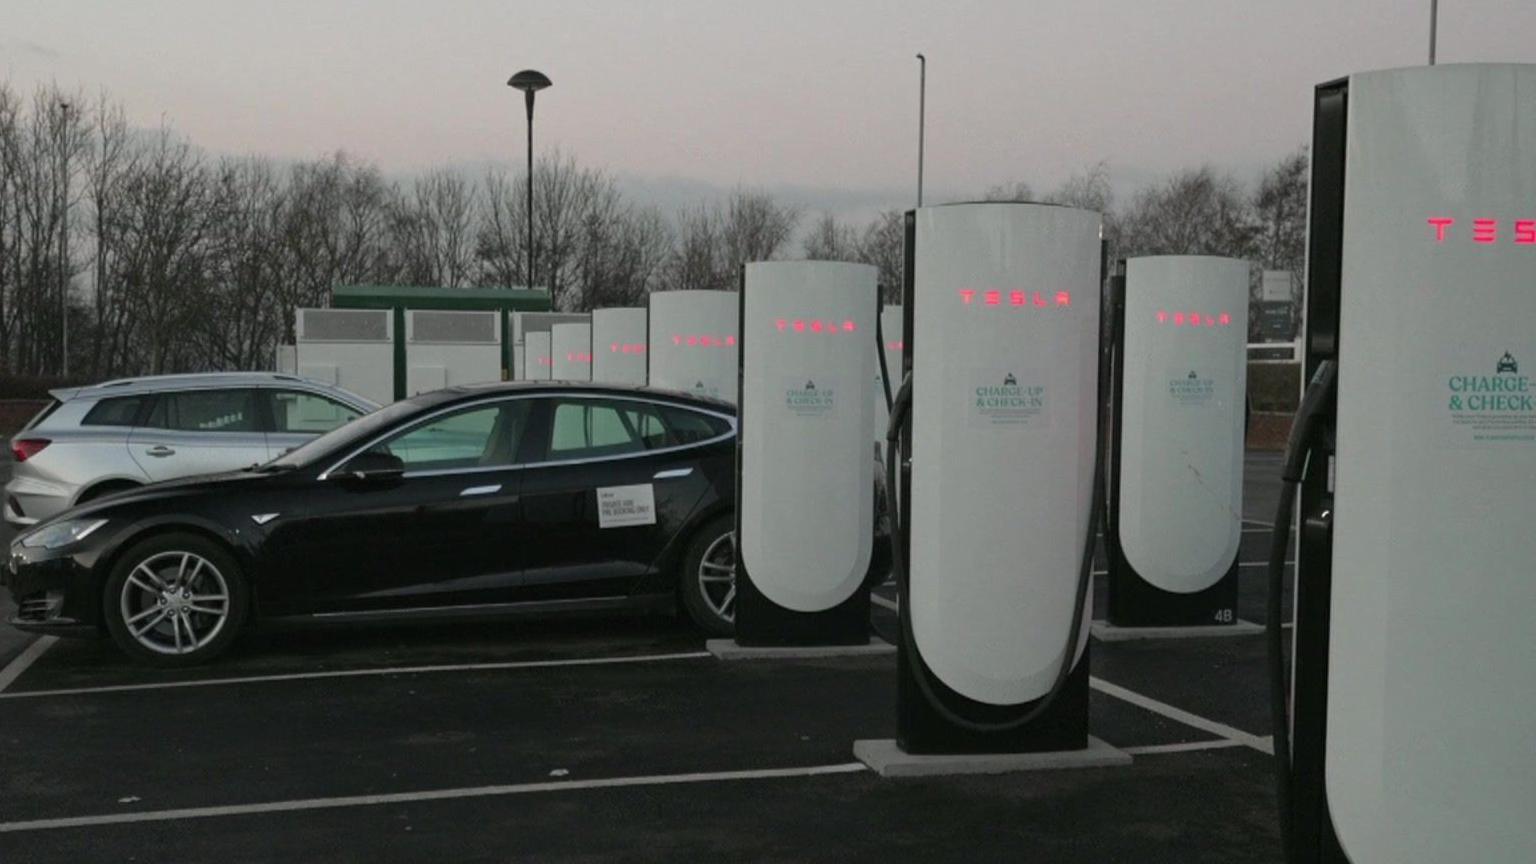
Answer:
(717, 576)
(175, 602)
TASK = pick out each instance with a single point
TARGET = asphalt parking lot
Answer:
(605, 738)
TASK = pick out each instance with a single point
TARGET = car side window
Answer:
(592, 429)
(691, 427)
(298, 411)
(485, 436)
(117, 411)
(205, 411)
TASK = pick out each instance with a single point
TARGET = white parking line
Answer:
(1259, 743)
(428, 795)
(357, 673)
(1183, 747)
(25, 659)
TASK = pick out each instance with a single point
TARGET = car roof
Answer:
(707, 402)
(160, 383)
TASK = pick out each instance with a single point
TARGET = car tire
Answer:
(175, 600)
(708, 583)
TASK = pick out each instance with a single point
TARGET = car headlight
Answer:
(61, 534)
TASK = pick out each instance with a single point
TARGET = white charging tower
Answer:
(618, 345)
(538, 361)
(570, 350)
(693, 342)
(1414, 706)
(805, 479)
(1175, 499)
(1002, 337)
(525, 323)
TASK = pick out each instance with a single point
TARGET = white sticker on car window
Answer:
(621, 506)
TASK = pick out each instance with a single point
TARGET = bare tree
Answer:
(1280, 208)
(1194, 212)
(1017, 190)
(883, 246)
(831, 240)
(432, 231)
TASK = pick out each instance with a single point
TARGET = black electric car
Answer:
(464, 500)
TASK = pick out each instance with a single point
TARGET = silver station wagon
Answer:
(109, 437)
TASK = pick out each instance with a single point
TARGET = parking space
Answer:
(604, 737)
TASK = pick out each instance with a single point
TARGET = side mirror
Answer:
(372, 467)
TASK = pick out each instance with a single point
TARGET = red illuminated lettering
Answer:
(677, 340)
(1178, 319)
(994, 298)
(816, 326)
(1016, 298)
(849, 326)
(1038, 300)
(1485, 231)
(693, 340)
(967, 295)
(730, 340)
(781, 323)
(800, 324)
(1225, 319)
(1063, 298)
(1525, 232)
(1162, 317)
(1194, 319)
(1441, 223)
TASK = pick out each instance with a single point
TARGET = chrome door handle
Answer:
(480, 490)
(672, 473)
(161, 450)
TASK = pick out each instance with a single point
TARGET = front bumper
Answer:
(55, 592)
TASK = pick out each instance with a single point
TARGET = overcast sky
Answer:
(816, 100)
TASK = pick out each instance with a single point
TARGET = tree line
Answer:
(166, 259)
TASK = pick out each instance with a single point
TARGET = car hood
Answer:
(165, 489)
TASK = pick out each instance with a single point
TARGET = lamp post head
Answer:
(529, 81)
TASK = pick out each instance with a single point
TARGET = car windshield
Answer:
(349, 433)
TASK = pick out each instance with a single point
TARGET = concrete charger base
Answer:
(727, 649)
(888, 760)
(1106, 632)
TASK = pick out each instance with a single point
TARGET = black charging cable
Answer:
(1303, 437)
(901, 408)
(890, 494)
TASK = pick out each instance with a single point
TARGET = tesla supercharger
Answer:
(693, 342)
(538, 363)
(570, 349)
(618, 345)
(525, 362)
(1002, 352)
(1175, 500)
(805, 476)
(1413, 719)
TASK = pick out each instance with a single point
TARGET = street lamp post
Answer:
(922, 105)
(530, 82)
(65, 143)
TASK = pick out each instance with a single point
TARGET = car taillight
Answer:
(26, 448)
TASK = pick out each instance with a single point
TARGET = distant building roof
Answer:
(424, 297)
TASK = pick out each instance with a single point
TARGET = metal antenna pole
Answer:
(1434, 27)
(922, 100)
